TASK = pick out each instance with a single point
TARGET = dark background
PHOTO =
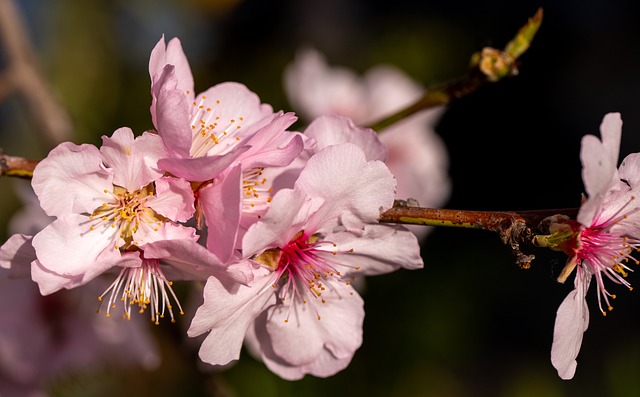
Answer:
(471, 323)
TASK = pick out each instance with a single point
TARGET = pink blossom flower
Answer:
(605, 236)
(300, 314)
(416, 155)
(112, 207)
(207, 133)
(225, 138)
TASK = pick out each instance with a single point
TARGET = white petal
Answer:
(228, 314)
(572, 320)
(72, 179)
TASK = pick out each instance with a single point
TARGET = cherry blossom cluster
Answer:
(278, 223)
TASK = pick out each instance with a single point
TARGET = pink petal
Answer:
(172, 113)
(320, 347)
(201, 168)
(288, 214)
(68, 247)
(315, 89)
(572, 321)
(418, 159)
(227, 315)
(173, 199)
(630, 169)
(377, 250)
(134, 161)
(355, 191)
(193, 259)
(599, 164)
(388, 89)
(221, 203)
(149, 233)
(234, 104)
(16, 254)
(172, 54)
(333, 130)
(72, 179)
(50, 281)
(272, 145)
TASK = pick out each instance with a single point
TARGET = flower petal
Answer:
(68, 247)
(377, 250)
(314, 88)
(572, 321)
(318, 346)
(355, 191)
(134, 161)
(172, 54)
(227, 315)
(16, 254)
(173, 199)
(288, 214)
(221, 203)
(272, 145)
(333, 130)
(50, 281)
(195, 260)
(201, 168)
(172, 113)
(148, 233)
(599, 164)
(72, 179)
(630, 170)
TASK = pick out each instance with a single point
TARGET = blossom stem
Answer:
(518, 229)
(487, 66)
(16, 166)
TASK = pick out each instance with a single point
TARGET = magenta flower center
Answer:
(303, 267)
(606, 253)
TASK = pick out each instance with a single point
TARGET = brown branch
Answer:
(487, 66)
(23, 77)
(16, 166)
(516, 229)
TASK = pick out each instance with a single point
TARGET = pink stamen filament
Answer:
(301, 269)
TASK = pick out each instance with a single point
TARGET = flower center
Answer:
(302, 268)
(126, 212)
(605, 253)
(144, 286)
(209, 131)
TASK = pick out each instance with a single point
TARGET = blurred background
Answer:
(471, 323)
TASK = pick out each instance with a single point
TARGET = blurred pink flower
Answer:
(300, 314)
(43, 338)
(607, 232)
(416, 156)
